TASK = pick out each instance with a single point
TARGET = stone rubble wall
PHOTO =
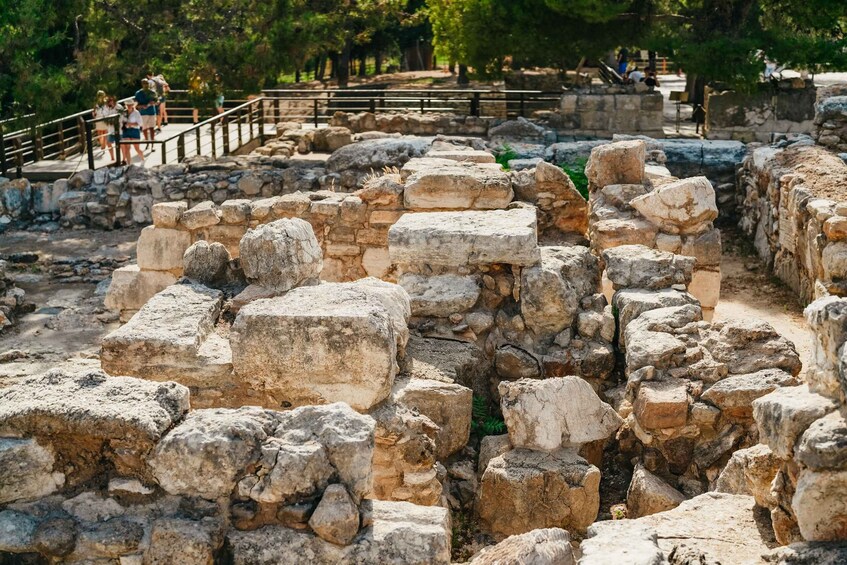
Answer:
(790, 197)
(831, 118)
(631, 204)
(606, 114)
(12, 300)
(101, 469)
(787, 109)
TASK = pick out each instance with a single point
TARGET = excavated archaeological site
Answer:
(405, 353)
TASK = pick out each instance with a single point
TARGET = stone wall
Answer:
(791, 199)
(605, 114)
(789, 107)
(108, 469)
(831, 118)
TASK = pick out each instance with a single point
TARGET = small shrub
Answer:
(483, 422)
(504, 156)
(576, 172)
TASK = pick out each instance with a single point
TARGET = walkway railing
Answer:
(243, 121)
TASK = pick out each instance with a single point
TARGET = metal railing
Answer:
(243, 121)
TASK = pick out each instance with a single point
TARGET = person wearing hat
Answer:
(131, 131)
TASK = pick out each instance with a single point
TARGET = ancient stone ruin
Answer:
(366, 368)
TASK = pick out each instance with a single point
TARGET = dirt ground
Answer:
(748, 290)
(69, 318)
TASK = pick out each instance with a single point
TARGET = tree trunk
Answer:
(378, 63)
(463, 75)
(320, 68)
(343, 74)
(335, 60)
(297, 75)
(363, 64)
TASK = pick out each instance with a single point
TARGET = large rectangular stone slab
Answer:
(456, 239)
(131, 287)
(163, 340)
(458, 185)
(317, 344)
(161, 249)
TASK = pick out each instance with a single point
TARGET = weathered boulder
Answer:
(750, 345)
(637, 266)
(201, 215)
(621, 542)
(552, 413)
(551, 291)
(172, 336)
(336, 517)
(558, 198)
(661, 404)
(820, 506)
(192, 542)
(281, 255)
(465, 238)
(90, 417)
(632, 302)
(818, 553)
(649, 494)
(131, 288)
(685, 206)
(512, 362)
(650, 341)
(331, 138)
(548, 546)
(448, 405)
(522, 490)
(440, 295)
(356, 161)
(621, 162)
(167, 214)
(457, 185)
(207, 263)
(827, 318)
(783, 415)
(460, 153)
(317, 344)
(824, 444)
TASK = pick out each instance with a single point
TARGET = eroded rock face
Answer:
(784, 414)
(621, 162)
(552, 413)
(820, 506)
(522, 490)
(620, 542)
(206, 263)
(457, 185)
(684, 206)
(26, 470)
(441, 295)
(750, 471)
(548, 546)
(649, 494)
(342, 336)
(281, 255)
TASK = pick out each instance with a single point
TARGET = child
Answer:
(131, 132)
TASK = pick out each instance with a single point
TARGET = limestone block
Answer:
(317, 344)
(551, 291)
(637, 266)
(167, 214)
(705, 286)
(236, 211)
(163, 340)
(522, 490)
(161, 249)
(397, 533)
(820, 505)
(552, 413)
(621, 162)
(78, 414)
(462, 154)
(281, 255)
(649, 341)
(227, 235)
(394, 299)
(336, 518)
(448, 405)
(614, 232)
(827, 318)
(491, 447)
(834, 258)
(569, 208)
(441, 295)
(465, 238)
(649, 494)
(202, 215)
(297, 472)
(456, 185)
(631, 303)
(684, 206)
(26, 470)
(661, 404)
(751, 471)
(749, 345)
(734, 395)
(835, 228)
(383, 191)
(620, 542)
(376, 262)
(131, 287)
(549, 546)
(705, 247)
(783, 415)
(822, 445)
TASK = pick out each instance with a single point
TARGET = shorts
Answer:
(148, 121)
(134, 133)
(219, 101)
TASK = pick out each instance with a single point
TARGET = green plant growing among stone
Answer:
(483, 422)
(576, 172)
(505, 155)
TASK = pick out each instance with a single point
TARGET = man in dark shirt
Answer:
(147, 100)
